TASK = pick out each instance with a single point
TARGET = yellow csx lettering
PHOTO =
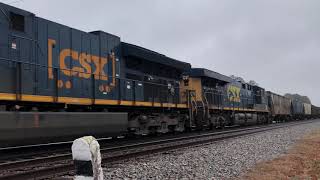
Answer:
(234, 93)
(85, 60)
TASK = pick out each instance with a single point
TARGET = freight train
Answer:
(58, 82)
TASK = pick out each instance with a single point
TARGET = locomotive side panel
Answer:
(54, 63)
(45, 61)
(16, 52)
(234, 98)
(82, 61)
(260, 99)
(42, 127)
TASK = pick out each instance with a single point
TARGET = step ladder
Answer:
(198, 111)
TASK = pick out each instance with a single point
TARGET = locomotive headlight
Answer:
(185, 79)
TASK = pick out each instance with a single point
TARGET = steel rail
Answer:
(62, 156)
(125, 151)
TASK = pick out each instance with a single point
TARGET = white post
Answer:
(87, 159)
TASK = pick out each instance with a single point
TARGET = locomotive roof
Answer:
(146, 54)
(201, 72)
(12, 8)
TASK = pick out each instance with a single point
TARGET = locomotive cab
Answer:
(260, 98)
(205, 95)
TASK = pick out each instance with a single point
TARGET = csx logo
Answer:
(85, 69)
(234, 93)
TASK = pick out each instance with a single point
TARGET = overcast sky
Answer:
(274, 42)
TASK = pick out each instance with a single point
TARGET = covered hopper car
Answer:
(307, 110)
(315, 111)
(280, 107)
(297, 110)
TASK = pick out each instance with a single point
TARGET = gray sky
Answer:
(274, 42)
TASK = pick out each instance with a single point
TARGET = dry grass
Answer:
(301, 162)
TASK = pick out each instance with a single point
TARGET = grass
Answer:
(302, 162)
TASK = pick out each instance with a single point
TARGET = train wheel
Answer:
(221, 122)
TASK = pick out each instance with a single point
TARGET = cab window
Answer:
(17, 22)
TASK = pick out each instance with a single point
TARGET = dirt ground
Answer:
(301, 162)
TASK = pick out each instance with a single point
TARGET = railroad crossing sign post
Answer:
(87, 159)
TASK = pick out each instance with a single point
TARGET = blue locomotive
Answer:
(58, 82)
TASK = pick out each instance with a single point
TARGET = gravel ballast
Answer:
(220, 160)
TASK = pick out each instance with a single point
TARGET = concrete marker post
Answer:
(87, 159)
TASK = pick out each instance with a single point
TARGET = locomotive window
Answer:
(17, 22)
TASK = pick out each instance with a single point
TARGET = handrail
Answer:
(207, 103)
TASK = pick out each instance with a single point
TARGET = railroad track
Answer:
(19, 153)
(55, 165)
